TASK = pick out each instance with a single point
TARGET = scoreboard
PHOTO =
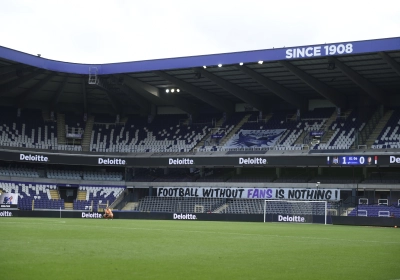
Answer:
(352, 160)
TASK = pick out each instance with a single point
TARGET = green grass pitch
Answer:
(45, 248)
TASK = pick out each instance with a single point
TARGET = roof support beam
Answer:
(392, 63)
(141, 89)
(180, 103)
(5, 88)
(279, 90)
(373, 91)
(207, 97)
(15, 68)
(7, 69)
(7, 76)
(22, 97)
(137, 99)
(144, 90)
(110, 94)
(329, 93)
(249, 97)
(58, 93)
(137, 84)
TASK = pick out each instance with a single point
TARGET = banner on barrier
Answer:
(8, 200)
(252, 193)
(255, 138)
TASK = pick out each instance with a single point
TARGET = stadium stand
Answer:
(163, 134)
(172, 133)
(139, 121)
(33, 195)
(97, 195)
(26, 128)
(64, 174)
(293, 179)
(171, 205)
(102, 176)
(344, 131)
(312, 120)
(390, 135)
(18, 172)
(383, 177)
(46, 196)
(256, 206)
(376, 211)
(336, 179)
(70, 174)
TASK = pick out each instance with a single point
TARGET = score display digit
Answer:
(352, 160)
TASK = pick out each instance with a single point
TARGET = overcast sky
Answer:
(129, 30)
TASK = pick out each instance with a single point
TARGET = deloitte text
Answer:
(184, 217)
(91, 215)
(111, 161)
(394, 159)
(33, 158)
(5, 214)
(295, 219)
(253, 161)
(180, 161)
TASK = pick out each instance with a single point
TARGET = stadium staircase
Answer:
(68, 206)
(61, 129)
(329, 132)
(347, 211)
(54, 194)
(221, 208)
(378, 128)
(207, 136)
(81, 195)
(370, 126)
(87, 135)
(130, 206)
(300, 140)
(234, 130)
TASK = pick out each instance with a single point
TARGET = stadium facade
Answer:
(274, 122)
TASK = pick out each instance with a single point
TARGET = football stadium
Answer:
(280, 163)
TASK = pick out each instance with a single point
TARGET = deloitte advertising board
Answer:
(297, 218)
(252, 193)
(161, 161)
(193, 161)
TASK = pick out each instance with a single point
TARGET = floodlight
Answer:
(220, 65)
(260, 62)
(241, 63)
(204, 67)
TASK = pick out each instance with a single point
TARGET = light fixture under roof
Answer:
(220, 65)
(260, 62)
(178, 90)
(172, 90)
(204, 67)
(241, 63)
(167, 90)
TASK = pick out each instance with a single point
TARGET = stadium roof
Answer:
(345, 74)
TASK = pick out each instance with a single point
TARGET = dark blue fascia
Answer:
(302, 52)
